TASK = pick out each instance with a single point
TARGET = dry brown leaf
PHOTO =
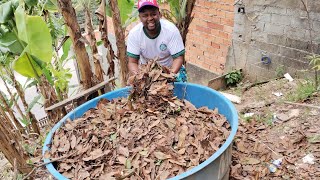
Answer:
(250, 161)
(182, 136)
(122, 160)
(161, 155)
(94, 155)
(123, 151)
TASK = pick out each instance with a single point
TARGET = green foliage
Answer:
(233, 77)
(31, 3)
(178, 8)
(61, 77)
(280, 71)
(51, 5)
(25, 66)
(66, 48)
(57, 27)
(314, 61)
(127, 11)
(34, 31)
(6, 12)
(9, 41)
(33, 102)
(303, 91)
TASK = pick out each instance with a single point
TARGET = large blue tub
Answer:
(217, 167)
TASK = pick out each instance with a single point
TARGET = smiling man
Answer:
(154, 38)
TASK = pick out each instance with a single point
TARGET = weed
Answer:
(303, 91)
(266, 118)
(314, 61)
(233, 77)
(280, 71)
(246, 119)
(314, 139)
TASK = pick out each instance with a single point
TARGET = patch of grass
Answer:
(280, 71)
(265, 118)
(237, 91)
(314, 139)
(303, 91)
(245, 119)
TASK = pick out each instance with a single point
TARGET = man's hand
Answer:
(176, 64)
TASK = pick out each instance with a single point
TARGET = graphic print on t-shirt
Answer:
(163, 47)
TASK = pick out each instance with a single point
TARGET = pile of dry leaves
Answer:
(149, 135)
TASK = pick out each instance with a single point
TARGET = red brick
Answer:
(230, 15)
(221, 13)
(215, 52)
(214, 32)
(228, 29)
(214, 26)
(209, 60)
(228, 22)
(218, 40)
(215, 45)
(226, 42)
(223, 35)
(213, 12)
(206, 66)
(214, 19)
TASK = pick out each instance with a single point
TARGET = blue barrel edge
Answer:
(191, 92)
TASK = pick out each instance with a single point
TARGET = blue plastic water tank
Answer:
(217, 167)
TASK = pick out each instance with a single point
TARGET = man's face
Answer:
(150, 18)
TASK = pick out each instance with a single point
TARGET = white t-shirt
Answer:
(164, 47)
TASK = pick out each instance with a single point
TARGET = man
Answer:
(155, 38)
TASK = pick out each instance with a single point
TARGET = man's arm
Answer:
(133, 65)
(177, 63)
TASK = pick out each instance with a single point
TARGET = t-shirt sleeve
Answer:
(175, 45)
(133, 47)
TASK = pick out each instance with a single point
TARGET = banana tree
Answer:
(85, 5)
(180, 14)
(27, 40)
(69, 16)
(122, 13)
(103, 28)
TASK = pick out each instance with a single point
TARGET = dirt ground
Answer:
(275, 131)
(5, 168)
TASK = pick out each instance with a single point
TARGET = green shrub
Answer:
(233, 77)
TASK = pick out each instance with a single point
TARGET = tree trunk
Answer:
(93, 45)
(15, 102)
(120, 41)
(11, 148)
(69, 16)
(184, 25)
(21, 94)
(50, 98)
(9, 110)
(103, 28)
(8, 121)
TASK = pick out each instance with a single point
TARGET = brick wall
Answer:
(210, 34)
(277, 29)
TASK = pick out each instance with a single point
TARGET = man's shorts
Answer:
(181, 76)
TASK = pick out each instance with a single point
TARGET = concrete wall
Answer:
(278, 29)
